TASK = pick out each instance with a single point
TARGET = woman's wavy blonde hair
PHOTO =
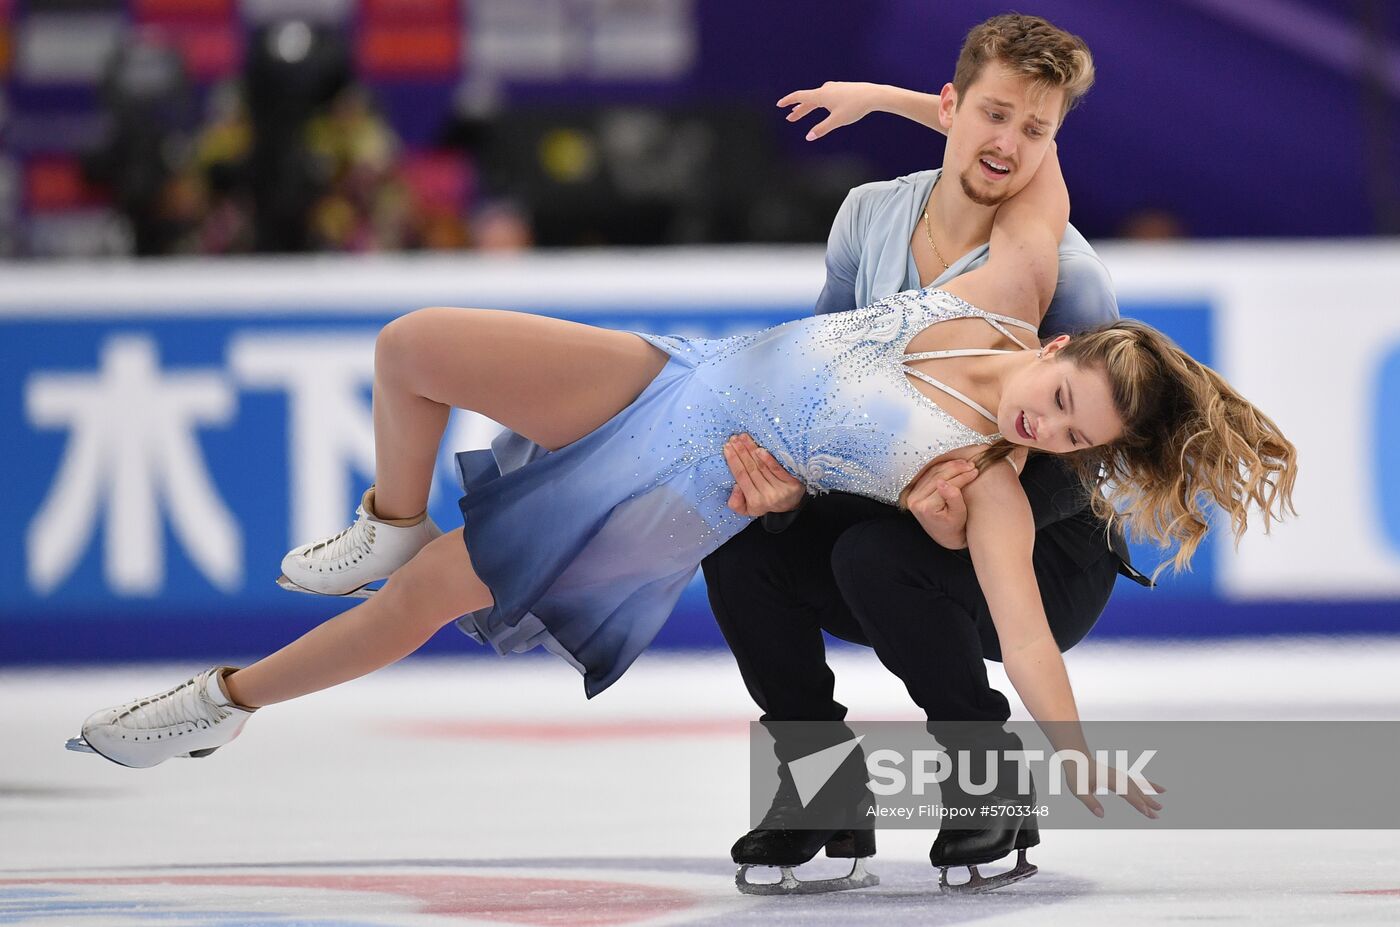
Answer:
(1189, 439)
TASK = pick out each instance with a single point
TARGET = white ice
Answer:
(478, 790)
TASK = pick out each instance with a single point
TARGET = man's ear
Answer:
(947, 105)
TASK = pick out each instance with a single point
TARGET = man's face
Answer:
(998, 132)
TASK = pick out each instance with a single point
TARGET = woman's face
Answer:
(1057, 406)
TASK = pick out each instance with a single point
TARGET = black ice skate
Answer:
(788, 849)
(789, 836)
(976, 847)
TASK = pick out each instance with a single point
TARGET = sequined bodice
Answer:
(830, 396)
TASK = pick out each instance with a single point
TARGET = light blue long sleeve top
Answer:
(868, 258)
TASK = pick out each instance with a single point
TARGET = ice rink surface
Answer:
(486, 791)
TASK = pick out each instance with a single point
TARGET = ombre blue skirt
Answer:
(587, 548)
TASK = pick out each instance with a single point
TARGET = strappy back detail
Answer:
(939, 385)
(993, 320)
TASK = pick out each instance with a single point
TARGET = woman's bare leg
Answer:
(432, 589)
(547, 379)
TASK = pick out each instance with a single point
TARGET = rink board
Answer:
(175, 430)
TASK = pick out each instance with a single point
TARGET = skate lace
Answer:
(351, 544)
(185, 704)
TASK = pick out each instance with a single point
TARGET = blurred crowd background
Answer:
(158, 127)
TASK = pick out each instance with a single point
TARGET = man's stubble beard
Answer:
(981, 199)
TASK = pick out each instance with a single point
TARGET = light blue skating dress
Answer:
(586, 549)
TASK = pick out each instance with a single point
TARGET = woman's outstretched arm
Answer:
(847, 102)
(1023, 266)
(1023, 263)
(1000, 538)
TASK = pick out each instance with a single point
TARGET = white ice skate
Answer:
(366, 552)
(193, 719)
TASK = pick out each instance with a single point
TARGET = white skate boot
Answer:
(367, 551)
(193, 719)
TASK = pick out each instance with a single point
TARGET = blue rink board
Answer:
(80, 617)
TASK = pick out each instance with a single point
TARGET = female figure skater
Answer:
(584, 549)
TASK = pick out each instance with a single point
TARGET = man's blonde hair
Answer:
(1028, 47)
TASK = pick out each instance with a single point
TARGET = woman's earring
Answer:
(1040, 354)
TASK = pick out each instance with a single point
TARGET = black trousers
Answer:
(866, 572)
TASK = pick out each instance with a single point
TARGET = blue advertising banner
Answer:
(161, 463)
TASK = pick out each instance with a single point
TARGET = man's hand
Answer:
(761, 485)
(936, 501)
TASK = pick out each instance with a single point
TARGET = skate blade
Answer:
(978, 884)
(364, 592)
(79, 745)
(789, 884)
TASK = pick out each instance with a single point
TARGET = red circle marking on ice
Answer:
(531, 730)
(511, 899)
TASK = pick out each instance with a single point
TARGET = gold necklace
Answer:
(928, 232)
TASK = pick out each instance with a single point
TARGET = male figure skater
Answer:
(866, 572)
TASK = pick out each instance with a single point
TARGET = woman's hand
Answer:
(1119, 783)
(936, 500)
(761, 485)
(847, 102)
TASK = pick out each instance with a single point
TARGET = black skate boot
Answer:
(972, 847)
(791, 834)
